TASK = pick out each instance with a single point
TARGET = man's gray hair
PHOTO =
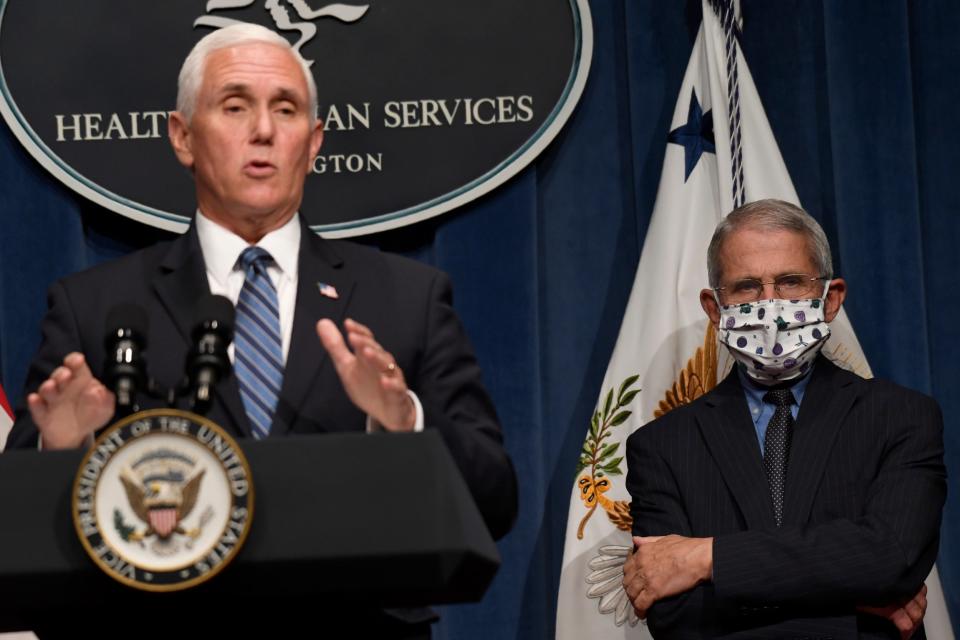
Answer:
(772, 215)
(191, 73)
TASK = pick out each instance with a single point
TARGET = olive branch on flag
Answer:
(600, 457)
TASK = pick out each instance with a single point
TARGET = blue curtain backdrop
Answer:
(861, 96)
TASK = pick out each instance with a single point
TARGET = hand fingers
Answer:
(914, 610)
(632, 587)
(50, 389)
(67, 379)
(641, 604)
(630, 569)
(646, 539)
(374, 357)
(903, 622)
(61, 376)
(358, 341)
(391, 376)
(377, 359)
(38, 409)
(393, 383)
(76, 362)
(101, 401)
(332, 341)
(353, 326)
(359, 336)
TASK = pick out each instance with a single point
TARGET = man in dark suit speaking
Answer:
(246, 127)
(795, 499)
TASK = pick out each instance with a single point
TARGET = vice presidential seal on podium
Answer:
(163, 500)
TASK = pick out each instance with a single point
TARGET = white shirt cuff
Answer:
(375, 427)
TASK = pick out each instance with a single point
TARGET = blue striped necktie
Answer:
(258, 350)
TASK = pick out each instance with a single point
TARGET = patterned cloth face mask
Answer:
(774, 340)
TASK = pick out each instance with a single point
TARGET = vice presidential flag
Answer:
(720, 153)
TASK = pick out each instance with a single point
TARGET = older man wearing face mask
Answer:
(795, 499)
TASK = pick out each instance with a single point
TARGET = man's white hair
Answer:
(770, 215)
(191, 73)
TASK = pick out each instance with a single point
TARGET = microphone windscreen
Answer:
(215, 312)
(127, 315)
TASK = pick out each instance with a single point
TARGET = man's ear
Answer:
(180, 139)
(316, 141)
(835, 297)
(709, 303)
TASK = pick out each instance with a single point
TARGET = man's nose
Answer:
(769, 291)
(262, 126)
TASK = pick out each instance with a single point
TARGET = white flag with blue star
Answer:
(720, 153)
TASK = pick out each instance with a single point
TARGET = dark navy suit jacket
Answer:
(408, 306)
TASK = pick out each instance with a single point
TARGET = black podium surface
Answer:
(382, 519)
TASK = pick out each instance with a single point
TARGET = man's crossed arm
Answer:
(664, 566)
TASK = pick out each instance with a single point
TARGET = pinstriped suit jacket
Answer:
(864, 492)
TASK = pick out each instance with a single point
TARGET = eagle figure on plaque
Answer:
(162, 488)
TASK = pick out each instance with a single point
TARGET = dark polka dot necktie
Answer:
(776, 446)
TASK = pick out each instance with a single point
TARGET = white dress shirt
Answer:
(221, 252)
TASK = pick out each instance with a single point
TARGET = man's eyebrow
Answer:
(244, 89)
(233, 88)
(289, 95)
(774, 277)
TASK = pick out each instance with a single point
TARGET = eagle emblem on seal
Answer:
(162, 487)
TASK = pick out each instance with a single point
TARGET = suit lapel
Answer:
(730, 435)
(181, 282)
(826, 402)
(319, 265)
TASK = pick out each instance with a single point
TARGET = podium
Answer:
(340, 520)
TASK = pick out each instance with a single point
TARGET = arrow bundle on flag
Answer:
(720, 154)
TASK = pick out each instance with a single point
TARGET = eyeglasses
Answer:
(792, 286)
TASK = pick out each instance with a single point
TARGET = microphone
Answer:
(208, 361)
(126, 339)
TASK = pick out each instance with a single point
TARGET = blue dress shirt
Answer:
(761, 411)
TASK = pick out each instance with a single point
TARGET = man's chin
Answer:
(249, 214)
(264, 201)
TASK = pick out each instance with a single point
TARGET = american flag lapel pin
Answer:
(328, 290)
